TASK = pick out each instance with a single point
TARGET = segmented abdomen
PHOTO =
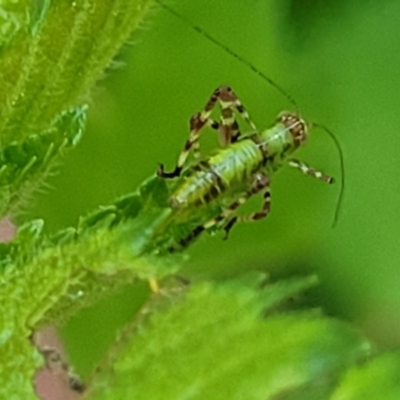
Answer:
(228, 171)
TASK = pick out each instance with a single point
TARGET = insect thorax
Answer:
(225, 173)
(281, 140)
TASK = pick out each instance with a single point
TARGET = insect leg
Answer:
(197, 123)
(228, 128)
(305, 169)
(261, 182)
(224, 220)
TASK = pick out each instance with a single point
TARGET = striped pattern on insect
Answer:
(239, 170)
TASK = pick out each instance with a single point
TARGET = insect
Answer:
(244, 165)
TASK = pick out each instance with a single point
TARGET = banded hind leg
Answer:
(228, 128)
(305, 169)
(260, 183)
(226, 221)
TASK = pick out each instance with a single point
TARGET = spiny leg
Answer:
(305, 169)
(197, 123)
(229, 102)
(228, 128)
(188, 239)
(259, 183)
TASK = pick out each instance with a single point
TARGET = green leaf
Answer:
(214, 344)
(46, 279)
(23, 166)
(379, 379)
(14, 18)
(51, 67)
(53, 52)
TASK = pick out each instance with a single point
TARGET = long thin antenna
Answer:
(342, 180)
(231, 52)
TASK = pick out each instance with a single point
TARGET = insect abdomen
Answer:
(225, 172)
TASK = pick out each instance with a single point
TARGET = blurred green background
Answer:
(340, 60)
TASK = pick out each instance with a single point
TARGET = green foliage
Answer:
(240, 339)
(52, 54)
(48, 278)
(24, 165)
(377, 380)
(213, 343)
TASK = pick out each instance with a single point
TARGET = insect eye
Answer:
(285, 117)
